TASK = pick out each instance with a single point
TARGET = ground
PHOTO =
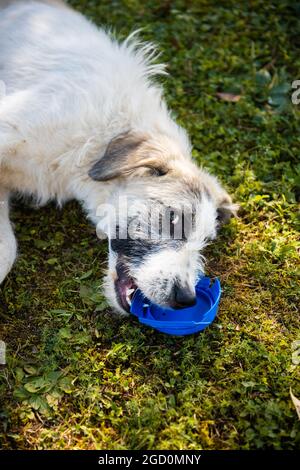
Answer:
(77, 377)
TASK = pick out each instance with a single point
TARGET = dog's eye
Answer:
(158, 172)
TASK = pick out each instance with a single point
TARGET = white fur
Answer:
(8, 246)
(70, 88)
(159, 271)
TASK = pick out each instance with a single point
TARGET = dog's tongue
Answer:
(124, 284)
(125, 287)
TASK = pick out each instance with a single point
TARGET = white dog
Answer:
(80, 117)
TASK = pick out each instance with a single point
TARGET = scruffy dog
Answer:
(80, 117)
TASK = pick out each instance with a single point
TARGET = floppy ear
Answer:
(226, 210)
(223, 202)
(123, 155)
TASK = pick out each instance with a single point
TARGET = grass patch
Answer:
(77, 376)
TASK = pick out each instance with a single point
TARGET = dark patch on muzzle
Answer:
(135, 250)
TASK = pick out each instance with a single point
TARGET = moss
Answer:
(77, 376)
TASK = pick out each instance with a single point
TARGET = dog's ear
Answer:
(226, 210)
(123, 155)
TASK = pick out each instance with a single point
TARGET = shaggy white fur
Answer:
(68, 89)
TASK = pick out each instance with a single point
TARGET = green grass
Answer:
(77, 376)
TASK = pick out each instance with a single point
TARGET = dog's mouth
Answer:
(125, 287)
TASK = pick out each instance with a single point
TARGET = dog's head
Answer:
(162, 212)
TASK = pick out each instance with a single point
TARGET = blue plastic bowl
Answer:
(185, 321)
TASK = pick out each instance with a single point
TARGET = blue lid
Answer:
(183, 321)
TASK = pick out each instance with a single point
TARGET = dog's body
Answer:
(80, 118)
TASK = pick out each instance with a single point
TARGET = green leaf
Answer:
(60, 311)
(20, 394)
(39, 403)
(86, 275)
(36, 385)
(30, 370)
(19, 373)
(52, 261)
(263, 78)
(281, 89)
(249, 384)
(65, 384)
(65, 333)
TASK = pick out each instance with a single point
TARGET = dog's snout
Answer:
(183, 297)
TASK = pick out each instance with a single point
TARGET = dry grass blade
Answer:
(228, 97)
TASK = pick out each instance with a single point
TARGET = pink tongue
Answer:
(125, 284)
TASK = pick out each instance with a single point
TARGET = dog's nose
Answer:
(183, 297)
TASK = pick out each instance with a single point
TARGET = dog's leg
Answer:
(8, 245)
